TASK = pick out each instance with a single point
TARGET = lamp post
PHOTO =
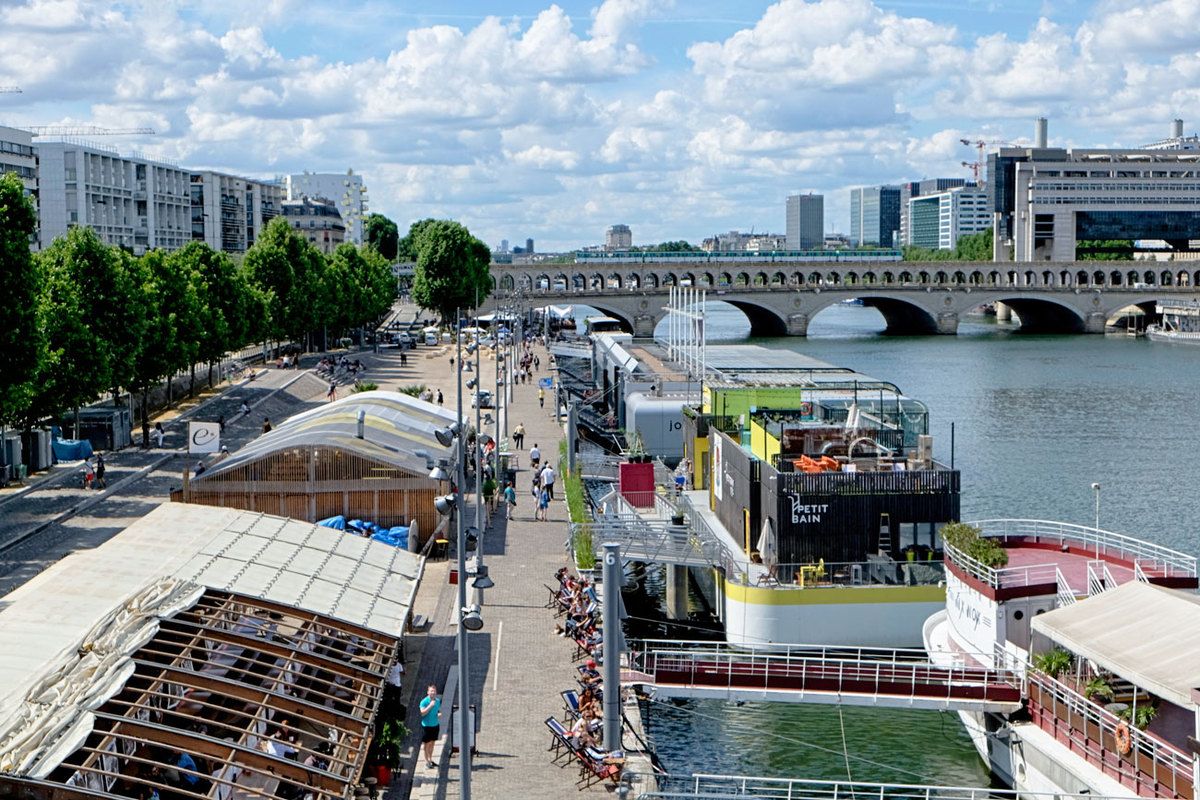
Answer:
(1096, 489)
(464, 695)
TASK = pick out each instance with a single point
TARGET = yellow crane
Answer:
(86, 130)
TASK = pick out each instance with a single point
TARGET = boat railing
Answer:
(1003, 577)
(1150, 764)
(1157, 561)
(695, 787)
(1066, 595)
(872, 572)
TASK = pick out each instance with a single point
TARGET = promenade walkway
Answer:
(518, 665)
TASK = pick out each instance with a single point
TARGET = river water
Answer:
(1037, 420)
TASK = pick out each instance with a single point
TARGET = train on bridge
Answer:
(742, 257)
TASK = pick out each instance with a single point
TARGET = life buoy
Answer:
(806, 409)
(1124, 742)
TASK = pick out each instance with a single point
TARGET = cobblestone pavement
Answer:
(518, 665)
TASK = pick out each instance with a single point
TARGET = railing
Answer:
(714, 787)
(1151, 765)
(878, 672)
(878, 571)
(1156, 561)
(1004, 577)
(924, 481)
(1066, 596)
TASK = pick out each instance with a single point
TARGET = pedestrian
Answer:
(403, 359)
(541, 397)
(439, 397)
(89, 473)
(199, 469)
(543, 504)
(510, 499)
(100, 482)
(331, 395)
(159, 433)
(431, 710)
(221, 423)
(266, 424)
(489, 491)
(519, 435)
(245, 409)
(548, 477)
(537, 363)
(535, 455)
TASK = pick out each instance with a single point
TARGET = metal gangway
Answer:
(736, 787)
(860, 676)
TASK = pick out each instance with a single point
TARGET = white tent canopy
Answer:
(1146, 634)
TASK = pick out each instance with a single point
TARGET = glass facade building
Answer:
(874, 216)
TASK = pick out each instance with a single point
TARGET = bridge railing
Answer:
(878, 672)
(728, 787)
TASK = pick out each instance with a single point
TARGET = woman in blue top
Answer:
(510, 499)
(431, 709)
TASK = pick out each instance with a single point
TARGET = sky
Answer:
(551, 121)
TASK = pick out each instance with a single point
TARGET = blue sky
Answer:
(532, 119)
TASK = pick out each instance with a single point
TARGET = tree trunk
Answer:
(169, 387)
(192, 387)
(146, 417)
(210, 374)
(76, 422)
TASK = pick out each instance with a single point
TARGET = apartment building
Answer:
(346, 191)
(229, 212)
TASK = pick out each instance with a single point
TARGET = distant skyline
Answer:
(527, 119)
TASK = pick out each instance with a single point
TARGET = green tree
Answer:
(382, 235)
(172, 329)
(679, 246)
(1104, 249)
(21, 339)
(406, 248)
(288, 270)
(222, 296)
(452, 268)
(974, 247)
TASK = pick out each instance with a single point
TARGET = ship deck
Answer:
(1072, 564)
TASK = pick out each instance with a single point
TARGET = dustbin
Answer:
(21, 472)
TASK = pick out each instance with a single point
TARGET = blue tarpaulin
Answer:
(337, 523)
(69, 449)
(396, 537)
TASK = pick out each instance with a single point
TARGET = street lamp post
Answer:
(464, 696)
(1096, 489)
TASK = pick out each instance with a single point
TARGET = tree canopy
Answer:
(21, 341)
(406, 248)
(452, 268)
(971, 247)
(383, 236)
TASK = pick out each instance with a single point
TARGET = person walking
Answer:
(510, 499)
(431, 710)
(266, 424)
(541, 397)
(331, 395)
(543, 505)
(489, 491)
(535, 456)
(519, 435)
(221, 423)
(548, 477)
(100, 482)
(158, 434)
(439, 397)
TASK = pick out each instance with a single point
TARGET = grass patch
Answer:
(581, 530)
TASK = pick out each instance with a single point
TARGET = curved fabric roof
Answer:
(396, 427)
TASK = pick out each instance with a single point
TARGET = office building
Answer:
(874, 216)
(618, 237)
(346, 191)
(937, 221)
(131, 202)
(911, 189)
(229, 212)
(1047, 199)
(805, 221)
(317, 220)
(1176, 141)
(738, 242)
(17, 155)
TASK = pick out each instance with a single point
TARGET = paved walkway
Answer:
(518, 665)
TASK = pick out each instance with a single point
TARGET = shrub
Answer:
(581, 531)
(1097, 689)
(415, 390)
(365, 386)
(1053, 662)
(967, 540)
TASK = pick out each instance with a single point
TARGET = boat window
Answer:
(1018, 614)
(908, 535)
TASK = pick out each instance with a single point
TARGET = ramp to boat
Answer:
(821, 675)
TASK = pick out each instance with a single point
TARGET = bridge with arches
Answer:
(913, 296)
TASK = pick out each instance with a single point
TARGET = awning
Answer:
(1146, 634)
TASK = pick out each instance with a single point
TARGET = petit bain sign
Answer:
(805, 513)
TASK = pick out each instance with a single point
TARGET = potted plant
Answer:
(1054, 662)
(1097, 689)
(386, 748)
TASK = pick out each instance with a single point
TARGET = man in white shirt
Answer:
(548, 477)
(535, 455)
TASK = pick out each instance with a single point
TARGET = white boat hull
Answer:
(1156, 334)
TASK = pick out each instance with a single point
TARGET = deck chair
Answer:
(597, 766)
(555, 601)
(570, 703)
(561, 743)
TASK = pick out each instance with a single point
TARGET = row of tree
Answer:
(971, 247)
(83, 318)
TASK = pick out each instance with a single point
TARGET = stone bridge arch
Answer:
(1046, 315)
(903, 317)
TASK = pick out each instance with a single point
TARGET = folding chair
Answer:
(570, 703)
(560, 743)
(597, 766)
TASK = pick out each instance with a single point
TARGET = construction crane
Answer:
(10, 90)
(86, 130)
(980, 145)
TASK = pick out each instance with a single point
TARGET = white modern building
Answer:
(805, 221)
(129, 201)
(738, 242)
(318, 221)
(618, 237)
(230, 212)
(346, 191)
(17, 155)
(937, 221)
(1045, 200)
